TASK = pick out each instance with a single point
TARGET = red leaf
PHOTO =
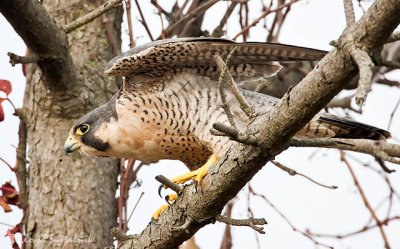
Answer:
(1, 112)
(10, 194)
(4, 205)
(10, 233)
(5, 86)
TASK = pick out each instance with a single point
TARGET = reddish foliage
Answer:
(10, 197)
(1, 111)
(11, 234)
(5, 86)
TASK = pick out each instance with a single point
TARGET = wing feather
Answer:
(156, 57)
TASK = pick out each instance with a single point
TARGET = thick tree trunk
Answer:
(71, 199)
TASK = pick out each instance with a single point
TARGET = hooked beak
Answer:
(71, 145)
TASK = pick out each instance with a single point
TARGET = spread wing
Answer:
(251, 59)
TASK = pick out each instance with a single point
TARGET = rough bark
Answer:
(71, 200)
(192, 211)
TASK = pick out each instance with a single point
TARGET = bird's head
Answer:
(89, 133)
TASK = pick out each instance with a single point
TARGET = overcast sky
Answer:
(312, 23)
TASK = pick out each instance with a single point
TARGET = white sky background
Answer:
(312, 23)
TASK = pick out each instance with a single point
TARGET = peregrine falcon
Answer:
(170, 99)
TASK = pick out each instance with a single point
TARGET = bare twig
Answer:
(365, 64)
(144, 20)
(6, 163)
(344, 103)
(91, 15)
(293, 172)
(16, 59)
(167, 182)
(363, 229)
(263, 83)
(305, 234)
(222, 94)
(251, 222)
(394, 37)
(109, 32)
(266, 12)
(227, 238)
(193, 14)
(233, 134)
(381, 149)
(390, 64)
(129, 20)
(349, 12)
(392, 114)
(246, 108)
(162, 21)
(218, 31)
(134, 208)
(367, 205)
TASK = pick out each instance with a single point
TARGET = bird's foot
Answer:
(197, 175)
(169, 198)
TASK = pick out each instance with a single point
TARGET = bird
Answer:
(170, 99)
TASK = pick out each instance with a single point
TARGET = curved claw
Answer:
(195, 185)
(167, 199)
(159, 190)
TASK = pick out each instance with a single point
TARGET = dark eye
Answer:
(82, 129)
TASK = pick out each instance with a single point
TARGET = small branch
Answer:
(193, 14)
(390, 64)
(110, 34)
(134, 208)
(251, 222)
(344, 103)
(305, 234)
(16, 59)
(233, 134)
(364, 63)
(167, 182)
(266, 12)
(218, 31)
(349, 12)
(162, 21)
(394, 37)
(222, 94)
(184, 227)
(263, 83)
(392, 114)
(293, 172)
(129, 20)
(6, 163)
(380, 149)
(144, 20)
(91, 15)
(367, 205)
(246, 108)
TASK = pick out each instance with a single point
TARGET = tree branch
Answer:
(91, 15)
(251, 222)
(44, 38)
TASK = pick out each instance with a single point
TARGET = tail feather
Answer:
(347, 128)
(330, 126)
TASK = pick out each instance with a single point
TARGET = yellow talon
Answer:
(198, 174)
(156, 214)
